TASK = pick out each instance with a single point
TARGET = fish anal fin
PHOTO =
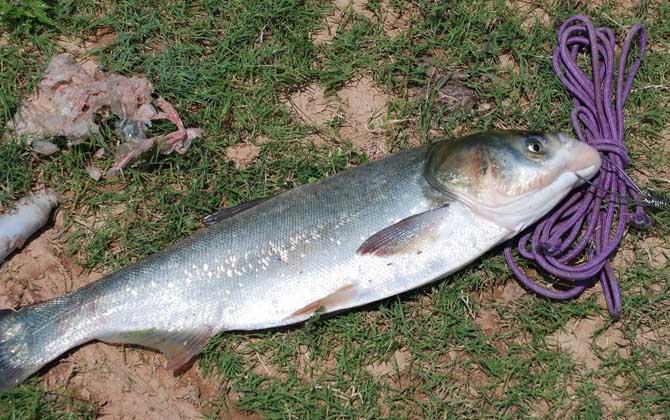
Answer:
(336, 299)
(178, 346)
(187, 349)
(405, 236)
(228, 212)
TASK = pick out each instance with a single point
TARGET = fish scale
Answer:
(354, 238)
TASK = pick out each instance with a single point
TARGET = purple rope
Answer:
(573, 243)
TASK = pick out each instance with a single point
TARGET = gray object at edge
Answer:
(19, 224)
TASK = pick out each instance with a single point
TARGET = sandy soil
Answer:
(360, 105)
(393, 22)
(242, 155)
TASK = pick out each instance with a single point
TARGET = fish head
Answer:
(512, 178)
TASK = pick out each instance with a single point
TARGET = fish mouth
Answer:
(588, 173)
(583, 160)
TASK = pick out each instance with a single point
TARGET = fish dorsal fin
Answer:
(227, 212)
(405, 236)
(178, 346)
(337, 299)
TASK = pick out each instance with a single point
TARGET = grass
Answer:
(34, 402)
(208, 59)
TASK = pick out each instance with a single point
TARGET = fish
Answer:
(359, 236)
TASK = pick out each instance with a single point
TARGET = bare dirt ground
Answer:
(242, 155)
(360, 105)
(394, 22)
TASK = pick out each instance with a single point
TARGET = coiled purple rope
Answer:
(574, 242)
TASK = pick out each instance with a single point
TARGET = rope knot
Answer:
(551, 247)
(640, 219)
(605, 145)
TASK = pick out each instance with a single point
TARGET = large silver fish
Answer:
(357, 237)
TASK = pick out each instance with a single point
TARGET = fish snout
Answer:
(564, 138)
(583, 160)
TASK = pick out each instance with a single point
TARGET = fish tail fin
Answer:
(12, 350)
(31, 337)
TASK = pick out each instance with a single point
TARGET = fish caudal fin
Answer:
(32, 336)
(13, 350)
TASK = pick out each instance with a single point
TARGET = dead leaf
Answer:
(104, 36)
(94, 172)
(72, 45)
(455, 95)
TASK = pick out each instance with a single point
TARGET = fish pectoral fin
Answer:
(226, 213)
(337, 299)
(405, 236)
(178, 346)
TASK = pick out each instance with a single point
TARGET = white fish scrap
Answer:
(69, 97)
(29, 215)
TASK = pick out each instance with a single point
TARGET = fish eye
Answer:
(534, 145)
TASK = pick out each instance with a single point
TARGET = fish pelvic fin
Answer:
(335, 300)
(408, 235)
(178, 346)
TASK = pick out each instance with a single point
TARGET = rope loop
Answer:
(574, 242)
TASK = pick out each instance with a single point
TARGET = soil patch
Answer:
(393, 22)
(360, 109)
(578, 338)
(312, 106)
(365, 112)
(242, 155)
